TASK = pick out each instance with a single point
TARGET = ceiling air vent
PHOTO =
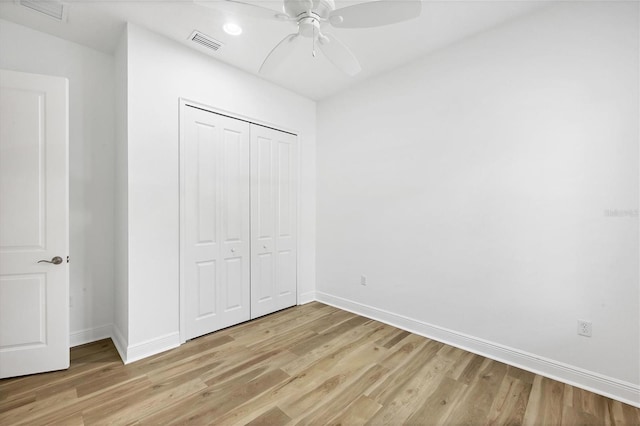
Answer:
(51, 8)
(205, 40)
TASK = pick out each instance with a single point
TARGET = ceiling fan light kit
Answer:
(314, 16)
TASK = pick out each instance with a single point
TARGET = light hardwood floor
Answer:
(311, 364)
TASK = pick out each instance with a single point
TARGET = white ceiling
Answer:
(98, 24)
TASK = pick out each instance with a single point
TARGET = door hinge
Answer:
(67, 259)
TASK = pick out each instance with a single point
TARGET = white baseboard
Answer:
(127, 353)
(307, 297)
(628, 393)
(151, 347)
(119, 342)
(77, 338)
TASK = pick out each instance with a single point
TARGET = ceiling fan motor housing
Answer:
(308, 26)
(322, 8)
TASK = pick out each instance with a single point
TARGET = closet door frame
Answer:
(188, 103)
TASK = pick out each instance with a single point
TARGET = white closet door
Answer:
(273, 220)
(216, 245)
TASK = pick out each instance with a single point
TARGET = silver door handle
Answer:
(55, 260)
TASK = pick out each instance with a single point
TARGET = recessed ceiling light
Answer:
(232, 29)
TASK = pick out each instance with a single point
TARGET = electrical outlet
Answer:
(584, 328)
(363, 280)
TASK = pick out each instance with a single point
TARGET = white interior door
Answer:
(215, 208)
(34, 297)
(273, 220)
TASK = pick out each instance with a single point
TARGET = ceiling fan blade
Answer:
(375, 13)
(240, 9)
(339, 54)
(279, 53)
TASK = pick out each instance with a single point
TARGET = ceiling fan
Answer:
(314, 16)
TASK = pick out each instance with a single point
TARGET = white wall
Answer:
(471, 188)
(161, 71)
(91, 135)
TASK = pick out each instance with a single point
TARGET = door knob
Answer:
(55, 260)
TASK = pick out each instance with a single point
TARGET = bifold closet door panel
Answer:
(216, 245)
(273, 220)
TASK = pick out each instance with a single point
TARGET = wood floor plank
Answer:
(481, 391)
(438, 406)
(322, 382)
(326, 409)
(311, 364)
(108, 397)
(91, 350)
(333, 319)
(89, 380)
(396, 339)
(185, 371)
(282, 339)
(461, 360)
(15, 416)
(142, 406)
(191, 408)
(410, 394)
(16, 401)
(385, 391)
(357, 413)
(241, 393)
(194, 352)
(545, 403)
(318, 378)
(307, 345)
(293, 329)
(274, 359)
(298, 405)
(255, 329)
(11, 388)
(470, 372)
(76, 419)
(398, 355)
(246, 412)
(340, 347)
(273, 417)
(623, 414)
(510, 403)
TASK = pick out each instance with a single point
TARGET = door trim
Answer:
(188, 103)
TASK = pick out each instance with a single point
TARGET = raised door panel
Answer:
(31, 314)
(203, 180)
(23, 166)
(236, 284)
(207, 284)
